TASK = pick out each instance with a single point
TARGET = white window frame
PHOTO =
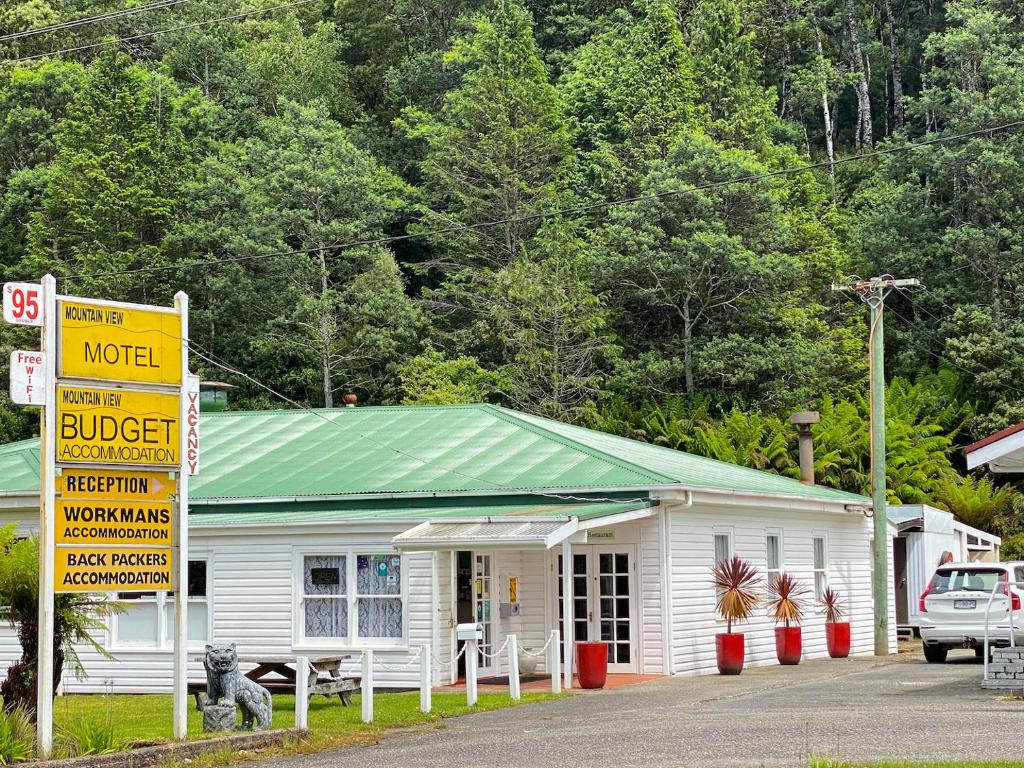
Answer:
(299, 639)
(164, 600)
(730, 535)
(769, 572)
(823, 571)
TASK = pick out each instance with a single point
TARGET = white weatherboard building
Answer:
(317, 532)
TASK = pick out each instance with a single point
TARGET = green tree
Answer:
(728, 69)
(975, 501)
(499, 149)
(431, 378)
(114, 186)
(631, 93)
(326, 316)
(77, 617)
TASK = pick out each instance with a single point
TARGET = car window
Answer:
(1019, 574)
(966, 580)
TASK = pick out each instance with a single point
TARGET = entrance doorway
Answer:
(899, 575)
(603, 601)
(475, 603)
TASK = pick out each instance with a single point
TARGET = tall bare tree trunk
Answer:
(830, 149)
(688, 347)
(895, 67)
(325, 332)
(859, 65)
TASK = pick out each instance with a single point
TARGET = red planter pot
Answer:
(838, 638)
(592, 664)
(788, 643)
(729, 651)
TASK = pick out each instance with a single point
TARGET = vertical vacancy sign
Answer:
(112, 380)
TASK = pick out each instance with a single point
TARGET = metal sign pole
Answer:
(47, 555)
(181, 588)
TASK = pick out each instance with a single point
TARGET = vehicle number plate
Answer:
(968, 604)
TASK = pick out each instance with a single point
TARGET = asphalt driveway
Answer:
(854, 708)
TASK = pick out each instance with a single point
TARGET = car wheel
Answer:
(935, 654)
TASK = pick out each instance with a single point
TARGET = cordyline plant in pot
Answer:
(737, 584)
(786, 604)
(837, 631)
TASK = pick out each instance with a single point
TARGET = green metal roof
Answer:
(19, 467)
(686, 468)
(477, 449)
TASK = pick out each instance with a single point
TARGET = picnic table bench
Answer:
(277, 674)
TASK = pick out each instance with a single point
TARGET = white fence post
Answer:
(426, 679)
(367, 696)
(554, 661)
(471, 661)
(513, 668)
(302, 692)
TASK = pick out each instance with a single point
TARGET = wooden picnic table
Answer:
(278, 673)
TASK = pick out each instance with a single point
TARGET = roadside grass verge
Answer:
(827, 762)
(143, 719)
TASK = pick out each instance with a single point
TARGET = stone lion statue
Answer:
(224, 680)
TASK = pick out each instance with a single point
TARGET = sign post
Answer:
(180, 688)
(113, 382)
(47, 552)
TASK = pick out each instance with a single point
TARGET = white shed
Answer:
(384, 527)
(923, 538)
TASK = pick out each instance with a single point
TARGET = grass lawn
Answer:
(148, 718)
(833, 763)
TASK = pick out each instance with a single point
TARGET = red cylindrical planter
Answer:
(592, 664)
(838, 638)
(729, 651)
(788, 644)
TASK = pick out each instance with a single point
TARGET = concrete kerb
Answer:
(144, 757)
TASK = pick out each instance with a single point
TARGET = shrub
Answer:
(786, 599)
(88, 736)
(1012, 547)
(17, 736)
(738, 594)
(832, 606)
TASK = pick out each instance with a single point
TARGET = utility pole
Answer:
(873, 292)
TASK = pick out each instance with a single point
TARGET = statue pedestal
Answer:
(218, 718)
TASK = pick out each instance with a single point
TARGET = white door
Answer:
(604, 601)
(483, 607)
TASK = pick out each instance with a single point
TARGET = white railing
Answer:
(1005, 586)
(422, 656)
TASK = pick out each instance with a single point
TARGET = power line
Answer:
(211, 358)
(913, 327)
(110, 15)
(156, 32)
(583, 208)
(941, 320)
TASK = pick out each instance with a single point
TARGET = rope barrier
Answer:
(497, 652)
(449, 663)
(402, 667)
(539, 653)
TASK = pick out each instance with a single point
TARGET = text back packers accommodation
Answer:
(384, 527)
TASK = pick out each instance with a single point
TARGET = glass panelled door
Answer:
(614, 619)
(483, 605)
(603, 602)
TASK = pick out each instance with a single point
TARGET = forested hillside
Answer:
(623, 214)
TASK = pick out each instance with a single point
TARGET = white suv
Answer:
(953, 607)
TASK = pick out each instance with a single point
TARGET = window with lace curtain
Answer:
(352, 596)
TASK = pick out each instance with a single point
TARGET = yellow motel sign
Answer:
(118, 523)
(119, 343)
(113, 426)
(108, 569)
(115, 484)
